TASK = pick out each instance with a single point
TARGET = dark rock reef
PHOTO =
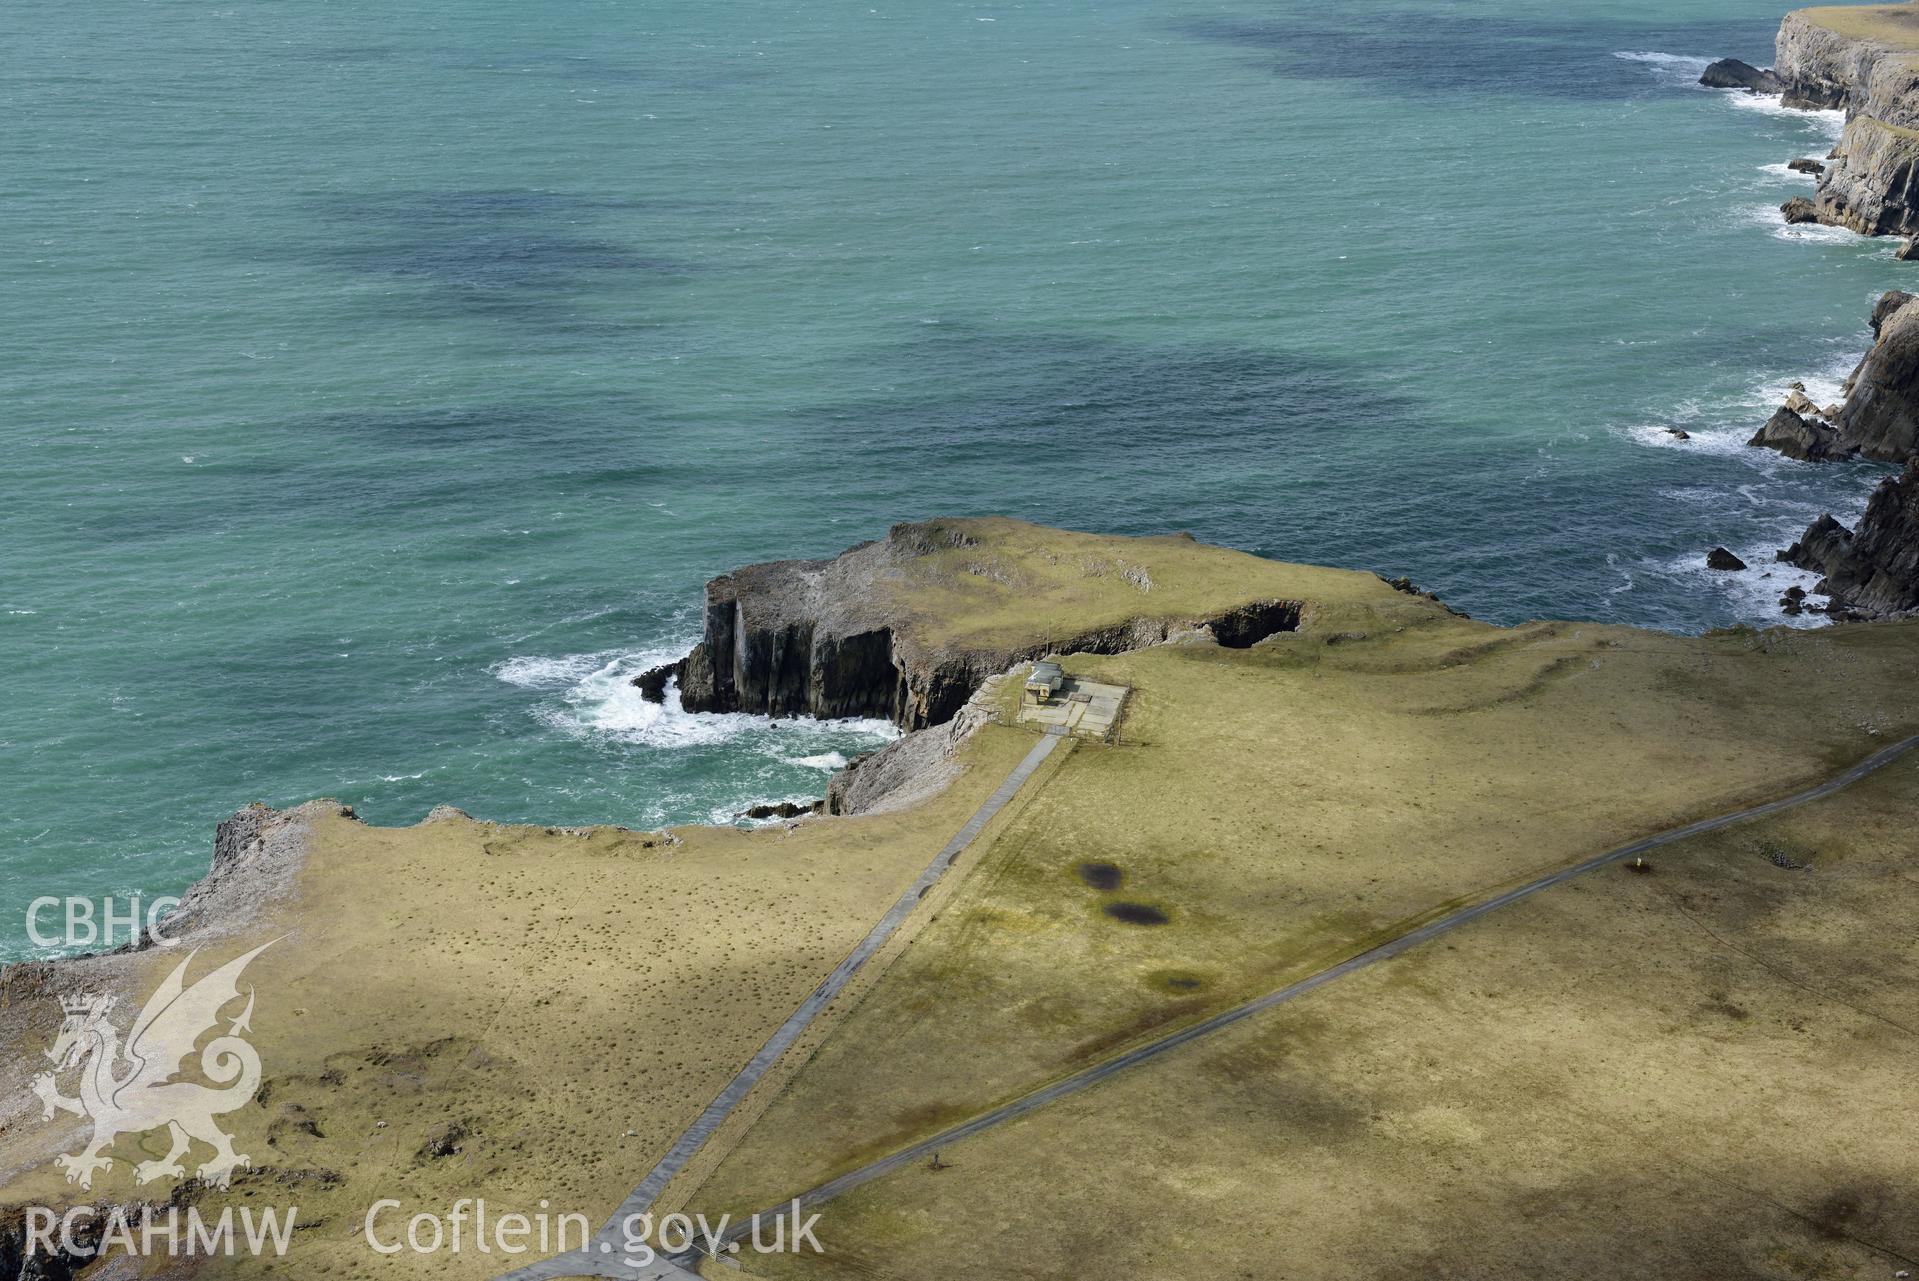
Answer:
(1797, 436)
(1873, 571)
(1879, 418)
(780, 809)
(1800, 210)
(1730, 73)
(1721, 559)
(836, 638)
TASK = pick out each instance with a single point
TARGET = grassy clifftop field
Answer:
(999, 583)
(1708, 1053)
(1891, 24)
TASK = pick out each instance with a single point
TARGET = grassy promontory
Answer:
(1890, 24)
(1700, 1064)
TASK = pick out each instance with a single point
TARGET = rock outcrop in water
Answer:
(1872, 571)
(1797, 436)
(1730, 73)
(1722, 559)
(1799, 211)
(1872, 182)
(845, 637)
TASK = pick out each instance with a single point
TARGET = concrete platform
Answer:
(1082, 708)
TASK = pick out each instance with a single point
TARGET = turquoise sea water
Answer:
(381, 383)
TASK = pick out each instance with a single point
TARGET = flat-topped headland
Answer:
(907, 627)
(1863, 60)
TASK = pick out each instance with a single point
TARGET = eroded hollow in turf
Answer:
(1246, 626)
(1177, 981)
(1101, 876)
(1135, 913)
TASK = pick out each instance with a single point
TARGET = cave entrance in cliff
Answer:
(1246, 626)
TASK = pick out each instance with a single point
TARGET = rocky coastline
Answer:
(1872, 571)
(867, 634)
(1868, 184)
(1871, 181)
(839, 638)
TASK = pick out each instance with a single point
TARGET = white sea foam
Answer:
(824, 760)
(538, 672)
(1722, 424)
(1768, 218)
(1674, 69)
(1698, 64)
(1787, 173)
(1753, 592)
(1828, 124)
(1816, 231)
(1824, 387)
(594, 697)
(1625, 575)
(1727, 442)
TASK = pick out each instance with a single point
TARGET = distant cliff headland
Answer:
(1865, 62)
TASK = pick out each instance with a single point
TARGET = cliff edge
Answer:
(1871, 571)
(908, 627)
(1863, 60)
(1879, 416)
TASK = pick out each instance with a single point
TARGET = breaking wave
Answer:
(1826, 124)
(593, 696)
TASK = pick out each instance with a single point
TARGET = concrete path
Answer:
(1384, 952)
(603, 1256)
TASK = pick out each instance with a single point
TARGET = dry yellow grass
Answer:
(1292, 804)
(1017, 581)
(1701, 1072)
(1281, 807)
(547, 992)
(1893, 24)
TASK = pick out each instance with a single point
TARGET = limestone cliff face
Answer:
(1873, 571)
(913, 767)
(1872, 183)
(838, 638)
(1879, 418)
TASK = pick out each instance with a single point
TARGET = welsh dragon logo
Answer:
(129, 1088)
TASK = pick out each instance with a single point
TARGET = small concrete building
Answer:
(1044, 682)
